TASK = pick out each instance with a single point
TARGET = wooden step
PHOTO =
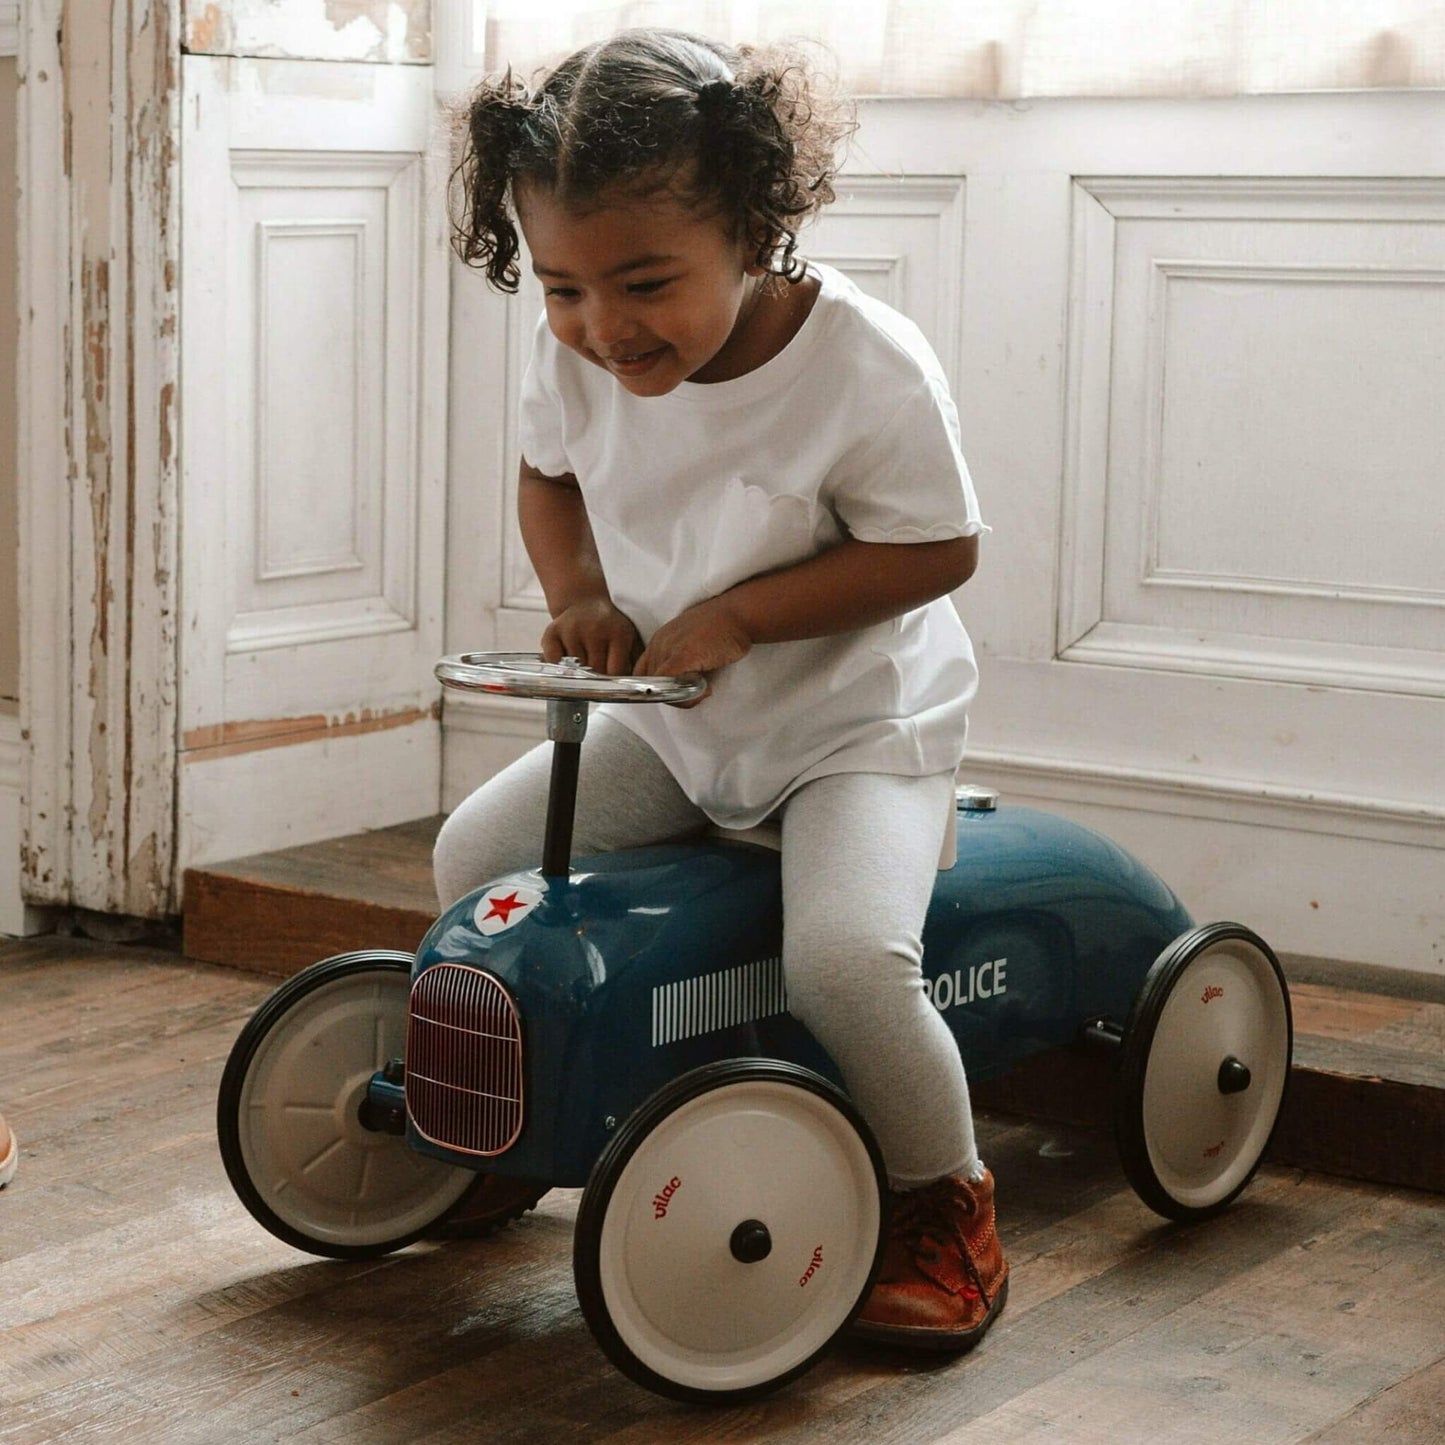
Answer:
(1366, 1095)
(276, 912)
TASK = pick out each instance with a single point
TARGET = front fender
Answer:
(586, 968)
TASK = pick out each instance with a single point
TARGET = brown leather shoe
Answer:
(943, 1280)
(9, 1153)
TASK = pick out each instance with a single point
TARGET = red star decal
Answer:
(502, 907)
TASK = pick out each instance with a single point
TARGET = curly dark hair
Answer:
(749, 134)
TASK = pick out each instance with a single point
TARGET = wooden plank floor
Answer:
(140, 1303)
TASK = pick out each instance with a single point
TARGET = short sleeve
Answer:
(910, 482)
(539, 421)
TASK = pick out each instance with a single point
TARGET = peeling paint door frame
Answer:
(98, 474)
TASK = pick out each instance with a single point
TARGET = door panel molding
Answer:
(1317, 270)
(333, 340)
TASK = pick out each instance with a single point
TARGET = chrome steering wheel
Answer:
(569, 689)
(525, 674)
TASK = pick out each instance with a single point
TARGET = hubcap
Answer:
(697, 1287)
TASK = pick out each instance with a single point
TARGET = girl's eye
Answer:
(563, 293)
(647, 288)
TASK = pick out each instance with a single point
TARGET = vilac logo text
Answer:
(661, 1199)
(963, 986)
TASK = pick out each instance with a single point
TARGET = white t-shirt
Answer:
(849, 431)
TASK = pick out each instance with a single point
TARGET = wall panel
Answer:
(1266, 358)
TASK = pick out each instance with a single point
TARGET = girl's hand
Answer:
(596, 633)
(702, 639)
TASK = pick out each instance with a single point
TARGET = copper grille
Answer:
(464, 1060)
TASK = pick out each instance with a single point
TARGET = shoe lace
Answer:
(928, 1220)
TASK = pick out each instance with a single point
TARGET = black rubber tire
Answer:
(492, 1203)
(230, 1102)
(592, 1215)
(1131, 1130)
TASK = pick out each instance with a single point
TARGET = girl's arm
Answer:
(585, 622)
(849, 587)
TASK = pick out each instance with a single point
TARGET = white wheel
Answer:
(1205, 1060)
(730, 1230)
(288, 1115)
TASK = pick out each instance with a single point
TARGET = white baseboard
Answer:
(1199, 795)
(281, 797)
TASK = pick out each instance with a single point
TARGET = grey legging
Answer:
(860, 851)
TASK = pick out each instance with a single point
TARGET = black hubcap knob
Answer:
(751, 1242)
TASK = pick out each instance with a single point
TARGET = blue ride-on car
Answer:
(619, 1024)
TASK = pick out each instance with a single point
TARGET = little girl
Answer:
(736, 463)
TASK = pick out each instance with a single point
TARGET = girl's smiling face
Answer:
(646, 288)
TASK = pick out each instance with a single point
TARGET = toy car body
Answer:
(621, 1024)
(642, 966)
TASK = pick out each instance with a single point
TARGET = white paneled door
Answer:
(314, 384)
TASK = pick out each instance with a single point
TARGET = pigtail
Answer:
(776, 130)
(484, 231)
